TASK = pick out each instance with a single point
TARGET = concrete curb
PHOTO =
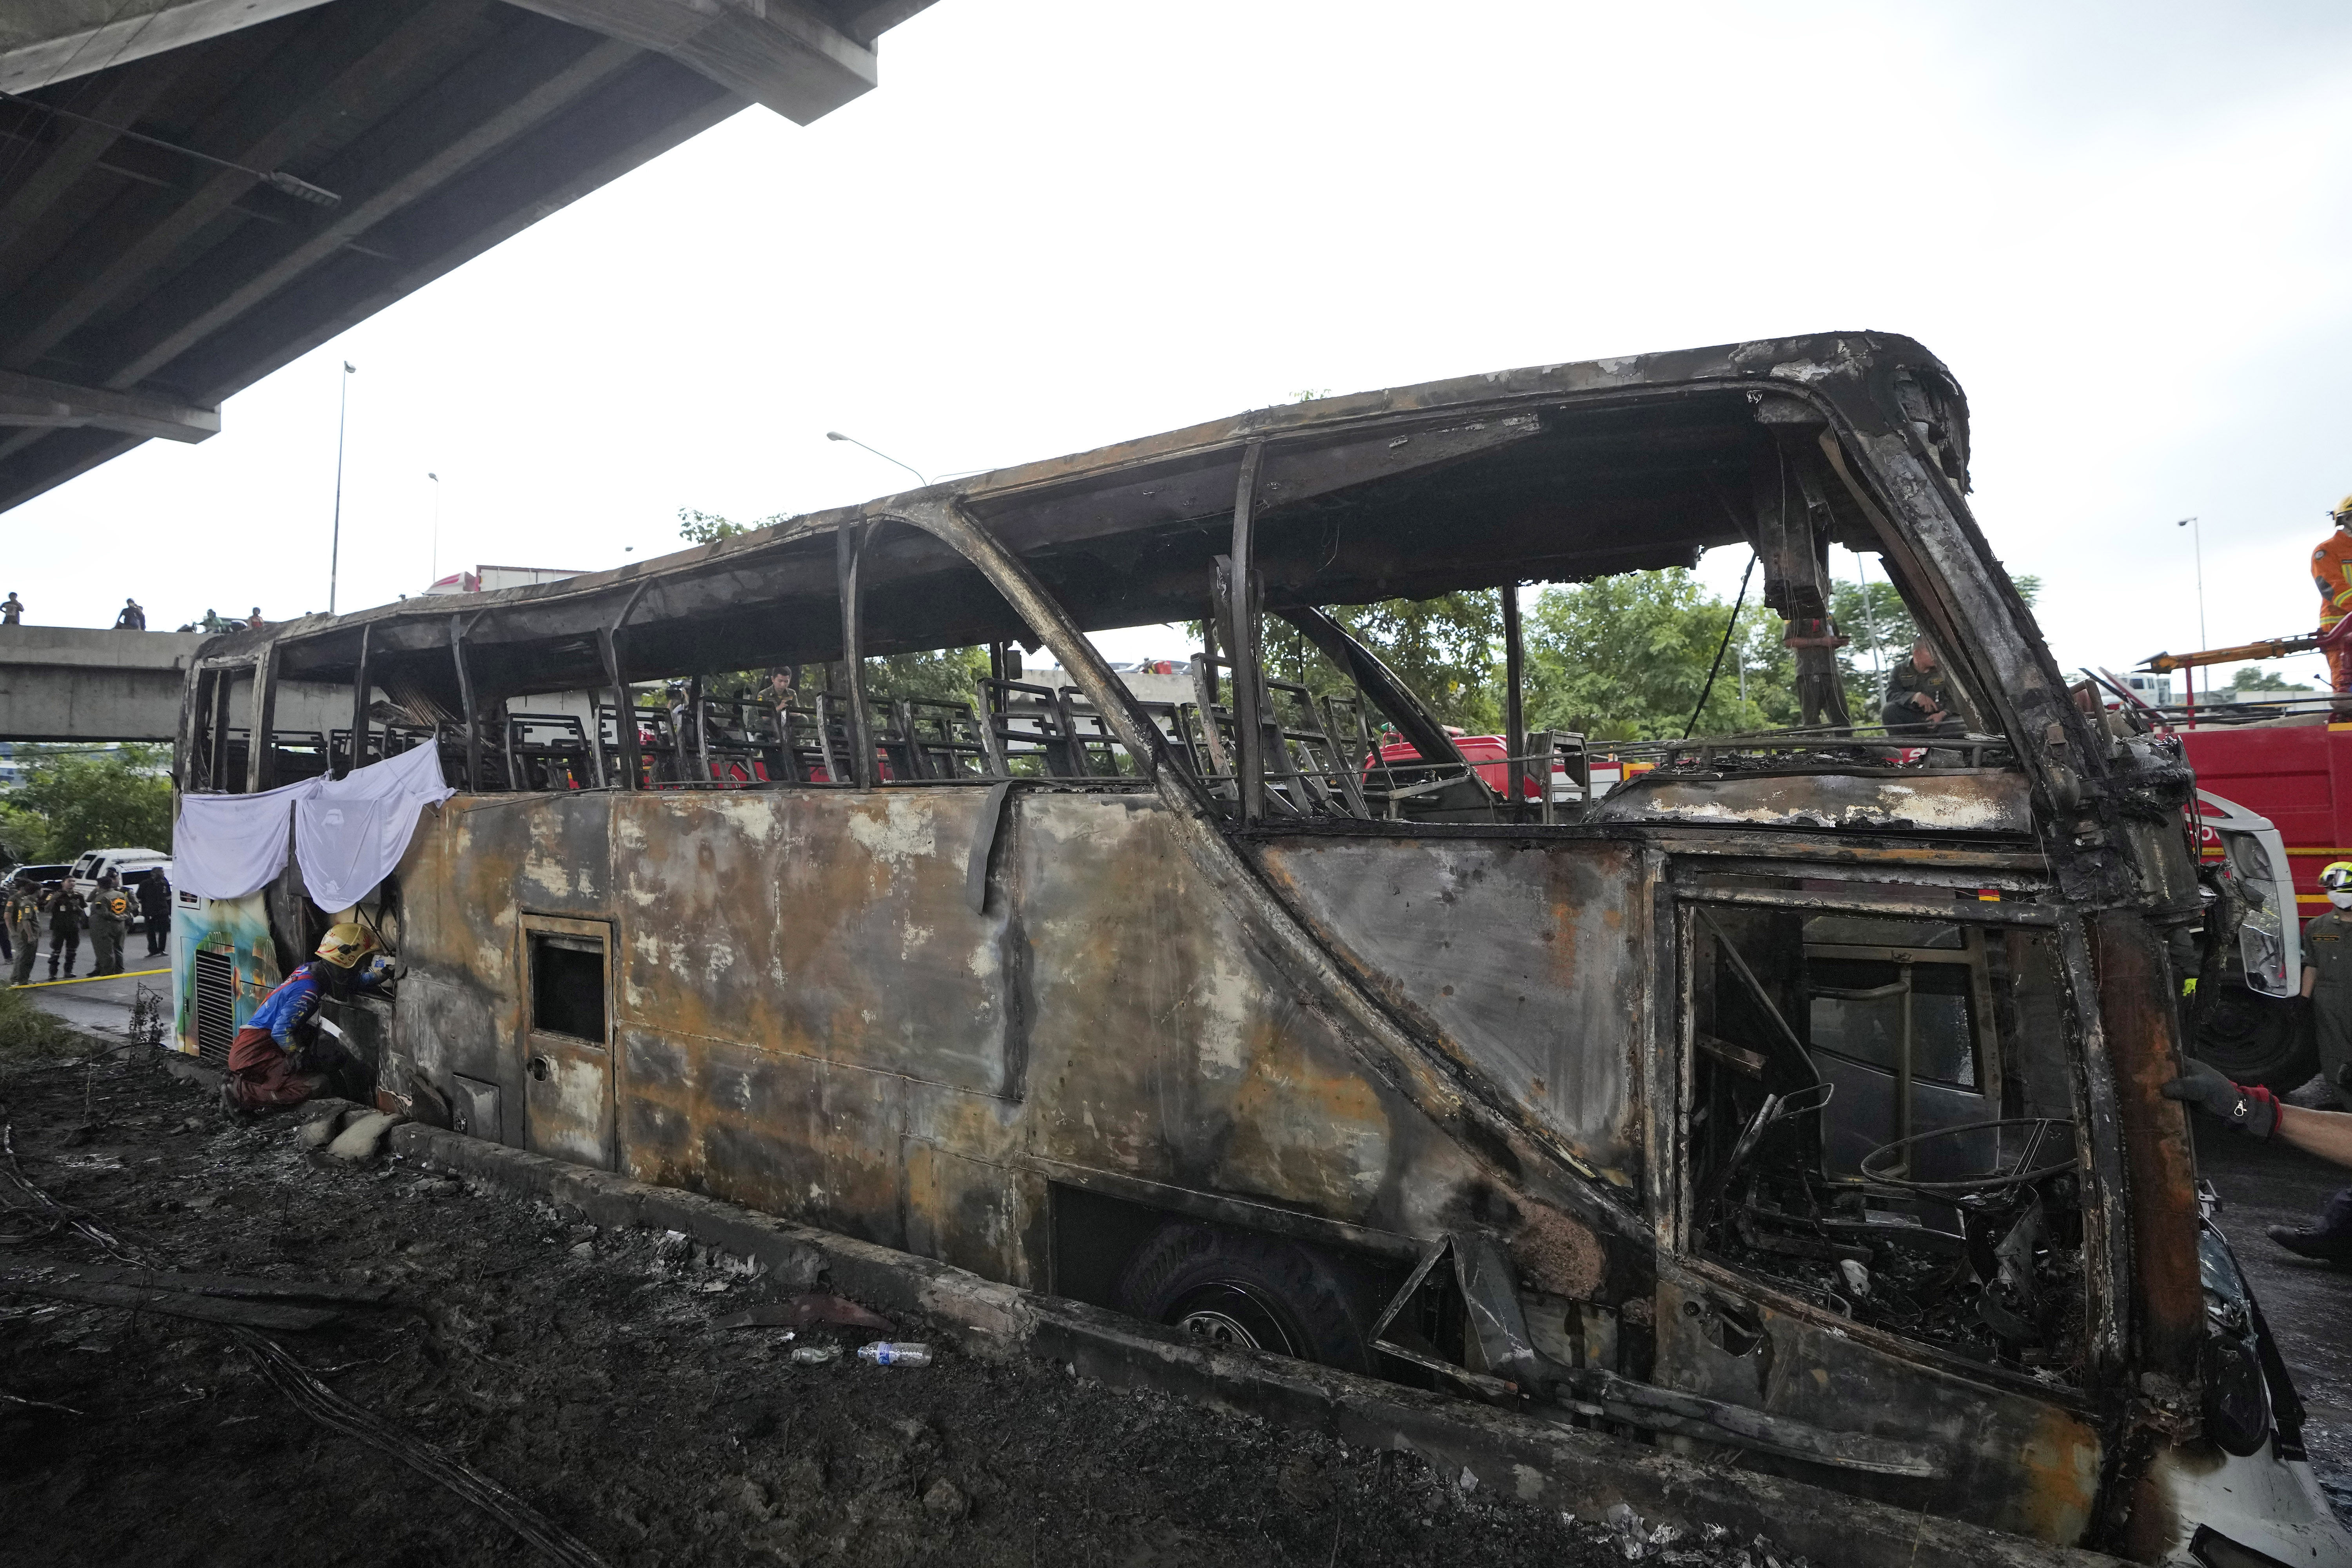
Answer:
(1536, 1460)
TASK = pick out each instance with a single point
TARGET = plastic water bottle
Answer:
(814, 1355)
(886, 1352)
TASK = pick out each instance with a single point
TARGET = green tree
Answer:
(70, 799)
(709, 528)
(2254, 678)
(1626, 658)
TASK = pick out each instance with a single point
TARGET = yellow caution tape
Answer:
(85, 979)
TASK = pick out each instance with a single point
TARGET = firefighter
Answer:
(2331, 574)
(109, 922)
(63, 907)
(23, 917)
(279, 1056)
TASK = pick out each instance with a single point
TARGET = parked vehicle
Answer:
(1795, 1102)
(131, 865)
(34, 875)
(2270, 810)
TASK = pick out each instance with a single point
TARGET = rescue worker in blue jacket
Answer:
(279, 1057)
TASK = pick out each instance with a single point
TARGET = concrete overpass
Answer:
(70, 683)
(194, 192)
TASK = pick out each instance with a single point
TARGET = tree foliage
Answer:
(1626, 658)
(70, 799)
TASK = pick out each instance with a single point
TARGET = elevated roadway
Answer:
(70, 683)
(194, 192)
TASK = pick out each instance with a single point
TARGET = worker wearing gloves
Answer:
(278, 1058)
(2331, 572)
(2257, 1112)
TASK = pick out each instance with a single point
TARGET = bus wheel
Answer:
(1233, 1288)
(2254, 1039)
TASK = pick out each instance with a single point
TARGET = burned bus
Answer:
(1795, 1099)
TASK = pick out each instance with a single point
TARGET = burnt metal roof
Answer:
(144, 277)
(1551, 473)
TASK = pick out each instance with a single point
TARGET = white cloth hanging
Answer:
(227, 845)
(350, 832)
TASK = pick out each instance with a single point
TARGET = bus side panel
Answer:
(1166, 1044)
(1528, 963)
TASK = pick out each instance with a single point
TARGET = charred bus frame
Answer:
(1216, 1011)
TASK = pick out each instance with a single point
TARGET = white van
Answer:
(128, 864)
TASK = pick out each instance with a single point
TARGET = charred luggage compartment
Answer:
(1790, 1098)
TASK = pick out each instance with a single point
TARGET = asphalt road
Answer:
(103, 1006)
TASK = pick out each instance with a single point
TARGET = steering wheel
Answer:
(2022, 1172)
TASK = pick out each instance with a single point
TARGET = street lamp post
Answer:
(335, 550)
(2197, 537)
(434, 570)
(837, 436)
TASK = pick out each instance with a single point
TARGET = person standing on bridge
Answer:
(23, 914)
(12, 610)
(63, 907)
(109, 922)
(132, 617)
(254, 621)
(2331, 574)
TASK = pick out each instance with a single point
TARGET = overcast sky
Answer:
(1053, 225)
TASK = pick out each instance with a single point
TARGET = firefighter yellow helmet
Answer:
(345, 944)
(2343, 510)
(2338, 877)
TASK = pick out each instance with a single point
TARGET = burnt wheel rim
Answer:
(1232, 1313)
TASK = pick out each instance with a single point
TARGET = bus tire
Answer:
(2253, 1038)
(1241, 1289)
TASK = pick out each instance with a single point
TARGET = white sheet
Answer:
(226, 846)
(350, 833)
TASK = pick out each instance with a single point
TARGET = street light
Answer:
(335, 551)
(837, 436)
(434, 575)
(2188, 676)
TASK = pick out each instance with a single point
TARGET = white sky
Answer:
(1060, 224)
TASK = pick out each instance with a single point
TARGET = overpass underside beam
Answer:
(142, 282)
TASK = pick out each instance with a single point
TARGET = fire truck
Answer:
(2275, 807)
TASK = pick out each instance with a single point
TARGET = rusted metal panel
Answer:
(1718, 1342)
(1166, 1046)
(1528, 964)
(826, 923)
(1974, 802)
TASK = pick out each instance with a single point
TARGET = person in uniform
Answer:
(1917, 697)
(277, 1059)
(155, 903)
(109, 922)
(23, 912)
(2331, 574)
(2328, 974)
(2328, 992)
(63, 907)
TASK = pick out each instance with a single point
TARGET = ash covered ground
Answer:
(581, 1371)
